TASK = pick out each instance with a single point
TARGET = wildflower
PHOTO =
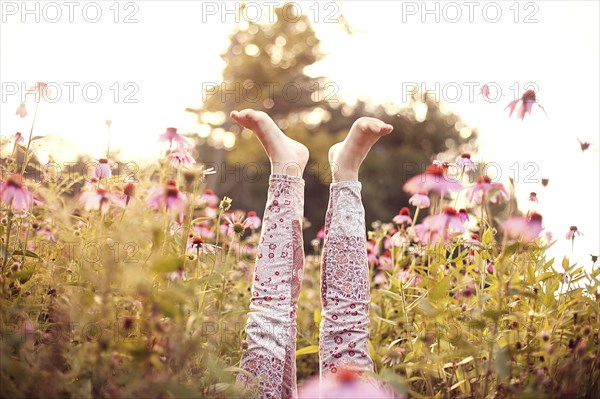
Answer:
(485, 92)
(379, 279)
(344, 383)
(545, 182)
(484, 185)
(179, 159)
(440, 227)
(524, 105)
(394, 356)
(19, 138)
(21, 110)
(46, 233)
(225, 204)
(237, 223)
(204, 229)
(584, 145)
(102, 170)
(432, 180)
(197, 245)
(398, 240)
(489, 266)
(533, 197)
(254, 221)
(172, 136)
(210, 197)
(100, 199)
(573, 232)
(419, 200)
(403, 216)
(523, 228)
(594, 258)
(466, 292)
(473, 240)
(442, 164)
(463, 215)
(545, 336)
(14, 194)
(128, 192)
(168, 197)
(179, 274)
(321, 233)
(464, 162)
(407, 276)
(385, 261)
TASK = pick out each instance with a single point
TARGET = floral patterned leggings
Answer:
(269, 357)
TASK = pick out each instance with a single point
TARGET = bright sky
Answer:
(163, 59)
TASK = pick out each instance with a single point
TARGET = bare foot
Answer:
(346, 156)
(287, 156)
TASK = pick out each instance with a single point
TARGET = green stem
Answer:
(26, 156)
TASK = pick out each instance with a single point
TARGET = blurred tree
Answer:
(265, 70)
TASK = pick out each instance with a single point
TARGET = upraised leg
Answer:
(271, 327)
(345, 272)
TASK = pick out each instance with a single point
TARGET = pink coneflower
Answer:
(344, 384)
(19, 138)
(210, 197)
(545, 182)
(21, 110)
(398, 239)
(99, 199)
(495, 192)
(533, 197)
(372, 257)
(407, 275)
(203, 229)
(197, 245)
(442, 164)
(463, 215)
(14, 194)
(102, 170)
(167, 197)
(466, 292)
(573, 232)
(403, 217)
(432, 180)
(440, 227)
(473, 240)
(321, 233)
(46, 233)
(385, 261)
(523, 228)
(524, 105)
(419, 200)
(254, 221)
(380, 279)
(179, 159)
(128, 192)
(171, 136)
(464, 162)
(489, 266)
(179, 274)
(237, 223)
(485, 91)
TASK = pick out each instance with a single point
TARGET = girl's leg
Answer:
(345, 272)
(271, 327)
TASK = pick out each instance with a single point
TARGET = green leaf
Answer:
(502, 365)
(27, 252)
(307, 350)
(440, 290)
(391, 294)
(426, 307)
